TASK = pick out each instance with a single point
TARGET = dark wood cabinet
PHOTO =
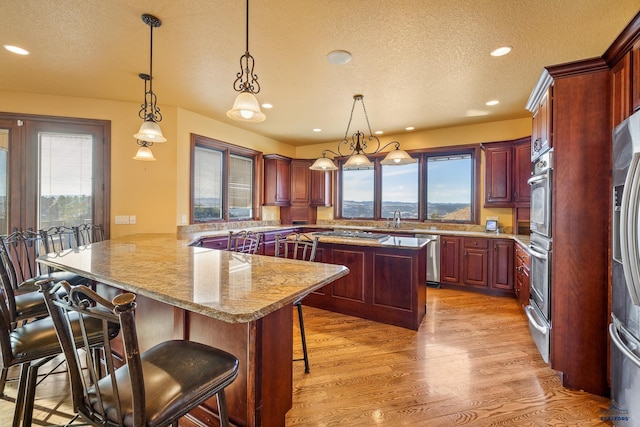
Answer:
(498, 175)
(450, 259)
(300, 181)
(542, 130)
(502, 254)
(581, 164)
(522, 171)
(277, 180)
(507, 169)
(475, 261)
(522, 269)
(385, 284)
(621, 91)
(635, 76)
(320, 188)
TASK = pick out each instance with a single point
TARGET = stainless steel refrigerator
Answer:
(624, 329)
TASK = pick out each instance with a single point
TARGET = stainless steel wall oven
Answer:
(539, 308)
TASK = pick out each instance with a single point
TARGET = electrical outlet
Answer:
(132, 219)
(122, 219)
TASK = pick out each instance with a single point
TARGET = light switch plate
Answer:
(132, 219)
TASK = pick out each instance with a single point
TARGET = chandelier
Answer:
(246, 107)
(149, 131)
(358, 149)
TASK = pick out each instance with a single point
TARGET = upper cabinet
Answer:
(507, 169)
(621, 89)
(277, 180)
(300, 181)
(635, 76)
(541, 132)
(320, 188)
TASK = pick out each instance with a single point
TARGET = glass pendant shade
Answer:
(358, 161)
(144, 153)
(323, 164)
(398, 157)
(150, 131)
(246, 108)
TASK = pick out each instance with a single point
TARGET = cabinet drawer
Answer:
(522, 256)
(476, 242)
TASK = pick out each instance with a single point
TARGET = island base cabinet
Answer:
(262, 393)
(384, 284)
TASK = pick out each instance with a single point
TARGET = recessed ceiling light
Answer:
(16, 49)
(409, 128)
(501, 51)
(339, 57)
(492, 102)
(267, 105)
(379, 132)
(317, 130)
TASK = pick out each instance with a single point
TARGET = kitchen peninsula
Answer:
(237, 302)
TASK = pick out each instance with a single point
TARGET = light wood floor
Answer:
(472, 363)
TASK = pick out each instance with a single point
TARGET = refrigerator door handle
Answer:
(629, 229)
(530, 311)
(615, 330)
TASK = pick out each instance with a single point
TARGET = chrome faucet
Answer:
(396, 219)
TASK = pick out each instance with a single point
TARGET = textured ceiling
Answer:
(422, 63)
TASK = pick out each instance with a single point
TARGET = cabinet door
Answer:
(542, 122)
(522, 172)
(320, 188)
(635, 76)
(450, 259)
(475, 262)
(502, 264)
(498, 176)
(277, 181)
(621, 90)
(300, 181)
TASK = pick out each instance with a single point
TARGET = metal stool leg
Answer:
(222, 409)
(304, 339)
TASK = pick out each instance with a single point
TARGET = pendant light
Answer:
(357, 149)
(246, 107)
(149, 131)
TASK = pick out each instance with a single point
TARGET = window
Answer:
(223, 181)
(65, 194)
(357, 193)
(400, 191)
(449, 187)
(441, 187)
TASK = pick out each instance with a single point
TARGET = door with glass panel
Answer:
(53, 173)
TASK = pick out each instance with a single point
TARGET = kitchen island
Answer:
(387, 281)
(237, 302)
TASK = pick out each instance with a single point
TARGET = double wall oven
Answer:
(539, 308)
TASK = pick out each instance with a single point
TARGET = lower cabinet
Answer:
(522, 269)
(383, 284)
(477, 263)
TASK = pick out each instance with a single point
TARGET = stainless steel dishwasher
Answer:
(433, 258)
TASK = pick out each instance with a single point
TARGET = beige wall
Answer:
(158, 192)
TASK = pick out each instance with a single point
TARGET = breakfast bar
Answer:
(237, 302)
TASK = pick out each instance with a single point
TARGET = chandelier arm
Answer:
(324, 153)
(346, 142)
(246, 80)
(396, 143)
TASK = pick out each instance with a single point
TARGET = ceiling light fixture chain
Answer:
(246, 79)
(246, 107)
(149, 111)
(358, 146)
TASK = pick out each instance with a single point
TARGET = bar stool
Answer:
(32, 345)
(247, 242)
(88, 233)
(154, 388)
(301, 247)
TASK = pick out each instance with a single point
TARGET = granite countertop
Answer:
(228, 286)
(406, 228)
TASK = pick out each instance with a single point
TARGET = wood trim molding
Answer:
(624, 42)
